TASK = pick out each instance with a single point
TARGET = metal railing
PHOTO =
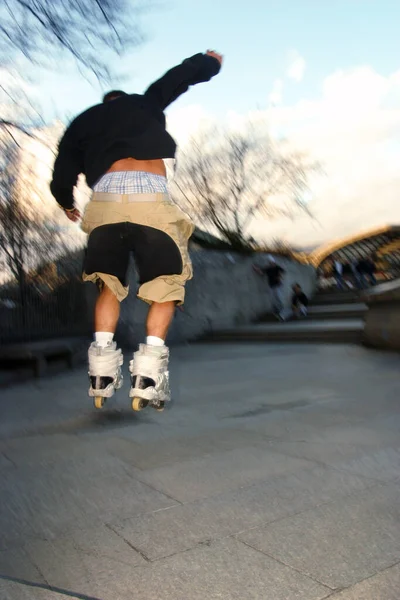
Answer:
(36, 312)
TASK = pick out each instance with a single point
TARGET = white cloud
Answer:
(297, 67)
(275, 97)
(182, 123)
(353, 129)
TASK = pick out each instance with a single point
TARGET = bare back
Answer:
(131, 164)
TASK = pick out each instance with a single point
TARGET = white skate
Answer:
(104, 372)
(150, 377)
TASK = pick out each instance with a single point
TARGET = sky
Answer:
(324, 73)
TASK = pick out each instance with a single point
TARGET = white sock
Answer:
(152, 340)
(103, 338)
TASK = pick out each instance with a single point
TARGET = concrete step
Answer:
(339, 331)
(352, 310)
(328, 312)
(337, 298)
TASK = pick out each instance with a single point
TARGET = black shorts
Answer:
(109, 248)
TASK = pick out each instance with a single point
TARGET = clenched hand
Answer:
(214, 54)
(73, 215)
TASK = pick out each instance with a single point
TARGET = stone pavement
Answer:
(275, 476)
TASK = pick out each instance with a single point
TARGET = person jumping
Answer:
(119, 145)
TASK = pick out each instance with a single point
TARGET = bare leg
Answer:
(106, 313)
(159, 319)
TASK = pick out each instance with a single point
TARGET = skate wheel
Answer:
(138, 404)
(161, 407)
(99, 402)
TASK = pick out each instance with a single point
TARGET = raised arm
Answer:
(67, 168)
(197, 69)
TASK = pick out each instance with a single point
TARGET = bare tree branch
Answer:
(86, 29)
(26, 238)
(230, 180)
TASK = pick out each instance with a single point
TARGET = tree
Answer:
(230, 179)
(41, 32)
(26, 239)
(86, 29)
(45, 32)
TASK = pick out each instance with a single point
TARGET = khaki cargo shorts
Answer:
(153, 229)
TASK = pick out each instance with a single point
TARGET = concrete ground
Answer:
(275, 476)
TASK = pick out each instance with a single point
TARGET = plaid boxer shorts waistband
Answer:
(128, 198)
(131, 182)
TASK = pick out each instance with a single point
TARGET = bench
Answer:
(38, 353)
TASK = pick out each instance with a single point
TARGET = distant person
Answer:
(366, 268)
(355, 273)
(348, 276)
(299, 302)
(337, 272)
(371, 270)
(275, 275)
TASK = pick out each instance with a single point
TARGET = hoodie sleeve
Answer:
(197, 69)
(67, 167)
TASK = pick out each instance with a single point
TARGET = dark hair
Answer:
(113, 95)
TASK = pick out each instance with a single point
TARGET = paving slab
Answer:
(185, 447)
(298, 440)
(16, 563)
(227, 569)
(5, 462)
(45, 500)
(383, 465)
(339, 543)
(99, 542)
(24, 590)
(20, 579)
(180, 528)
(340, 419)
(42, 449)
(376, 462)
(383, 586)
(190, 480)
(96, 553)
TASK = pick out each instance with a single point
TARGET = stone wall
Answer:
(382, 322)
(224, 292)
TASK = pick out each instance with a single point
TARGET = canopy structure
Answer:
(383, 243)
